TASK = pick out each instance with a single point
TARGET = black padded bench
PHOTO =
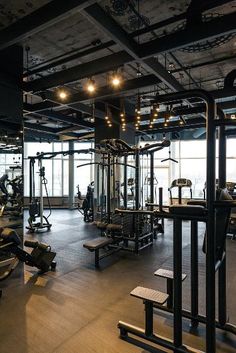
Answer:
(96, 245)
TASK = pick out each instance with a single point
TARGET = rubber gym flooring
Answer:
(76, 309)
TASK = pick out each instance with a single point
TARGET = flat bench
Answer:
(149, 297)
(169, 276)
(96, 245)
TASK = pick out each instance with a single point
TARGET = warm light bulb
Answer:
(91, 86)
(106, 117)
(116, 81)
(122, 114)
(155, 114)
(62, 94)
(138, 117)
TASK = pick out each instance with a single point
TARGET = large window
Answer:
(191, 158)
(57, 168)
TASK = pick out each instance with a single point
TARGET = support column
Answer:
(71, 177)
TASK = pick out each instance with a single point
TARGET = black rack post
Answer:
(194, 273)
(177, 265)
(137, 172)
(222, 308)
(125, 181)
(108, 188)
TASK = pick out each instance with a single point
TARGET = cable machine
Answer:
(36, 206)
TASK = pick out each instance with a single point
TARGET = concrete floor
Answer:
(76, 309)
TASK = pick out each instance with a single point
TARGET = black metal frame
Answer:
(211, 265)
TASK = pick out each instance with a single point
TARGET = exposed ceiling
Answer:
(176, 45)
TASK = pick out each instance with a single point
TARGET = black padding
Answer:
(197, 202)
(188, 210)
(114, 227)
(97, 243)
(221, 224)
(10, 236)
(101, 225)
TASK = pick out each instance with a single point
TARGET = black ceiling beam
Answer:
(53, 115)
(28, 132)
(46, 105)
(206, 63)
(40, 19)
(204, 6)
(67, 59)
(173, 41)
(79, 72)
(40, 127)
(108, 25)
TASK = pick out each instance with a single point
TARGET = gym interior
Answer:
(118, 176)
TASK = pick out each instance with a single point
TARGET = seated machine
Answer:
(11, 253)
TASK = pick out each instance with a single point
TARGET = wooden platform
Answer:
(76, 309)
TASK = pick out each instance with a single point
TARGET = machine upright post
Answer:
(177, 266)
(41, 191)
(194, 273)
(222, 308)
(137, 181)
(108, 188)
(125, 182)
(210, 251)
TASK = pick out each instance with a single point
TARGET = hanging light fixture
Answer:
(108, 117)
(91, 86)
(122, 114)
(116, 79)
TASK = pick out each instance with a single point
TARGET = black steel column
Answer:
(210, 251)
(137, 181)
(177, 265)
(125, 182)
(194, 272)
(222, 307)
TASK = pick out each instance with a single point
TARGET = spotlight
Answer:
(150, 126)
(157, 108)
(138, 117)
(122, 115)
(181, 122)
(233, 116)
(91, 86)
(116, 80)
(155, 114)
(106, 117)
(62, 94)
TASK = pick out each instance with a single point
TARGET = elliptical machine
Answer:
(36, 206)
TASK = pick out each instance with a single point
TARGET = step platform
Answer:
(150, 295)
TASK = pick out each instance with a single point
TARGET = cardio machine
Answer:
(180, 184)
